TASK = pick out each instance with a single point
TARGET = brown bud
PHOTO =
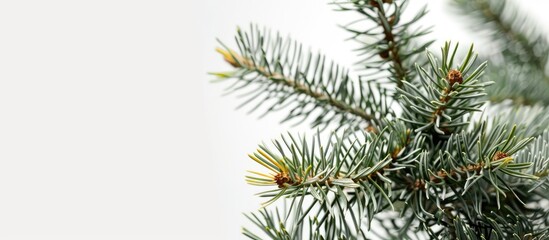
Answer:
(419, 185)
(391, 20)
(371, 129)
(374, 3)
(384, 54)
(499, 155)
(282, 179)
(454, 76)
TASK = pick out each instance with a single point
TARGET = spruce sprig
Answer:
(390, 46)
(520, 53)
(281, 74)
(370, 173)
(449, 166)
(445, 94)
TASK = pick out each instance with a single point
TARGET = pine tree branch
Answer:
(499, 172)
(400, 73)
(461, 173)
(521, 64)
(537, 153)
(347, 165)
(343, 175)
(285, 76)
(390, 44)
(493, 12)
(444, 177)
(520, 84)
(395, 165)
(238, 61)
(531, 121)
(444, 95)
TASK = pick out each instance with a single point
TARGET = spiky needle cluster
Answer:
(438, 170)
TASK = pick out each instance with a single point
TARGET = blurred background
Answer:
(111, 129)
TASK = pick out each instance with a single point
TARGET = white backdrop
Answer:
(110, 129)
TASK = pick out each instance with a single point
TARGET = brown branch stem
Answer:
(392, 46)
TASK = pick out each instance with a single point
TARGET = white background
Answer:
(110, 129)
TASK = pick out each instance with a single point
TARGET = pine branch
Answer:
(286, 81)
(509, 27)
(518, 83)
(504, 224)
(370, 172)
(342, 175)
(444, 95)
(337, 167)
(537, 153)
(391, 44)
(521, 65)
(341, 163)
(288, 224)
(531, 121)
(396, 225)
(291, 78)
(444, 177)
(495, 172)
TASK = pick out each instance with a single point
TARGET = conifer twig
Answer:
(392, 46)
(396, 45)
(286, 76)
(238, 61)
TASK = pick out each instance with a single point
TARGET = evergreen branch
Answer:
(495, 148)
(494, 155)
(505, 224)
(460, 173)
(345, 164)
(343, 174)
(274, 225)
(513, 185)
(519, 83)
(396, 225)
(448, 181)
(446, 184)
(537, 153)
(531, 121)
(522, 74)
(284, 73)
(298, 87)
(391, 44)
(444, 96)
(445, 177)
(508, 25)
(287, 224)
